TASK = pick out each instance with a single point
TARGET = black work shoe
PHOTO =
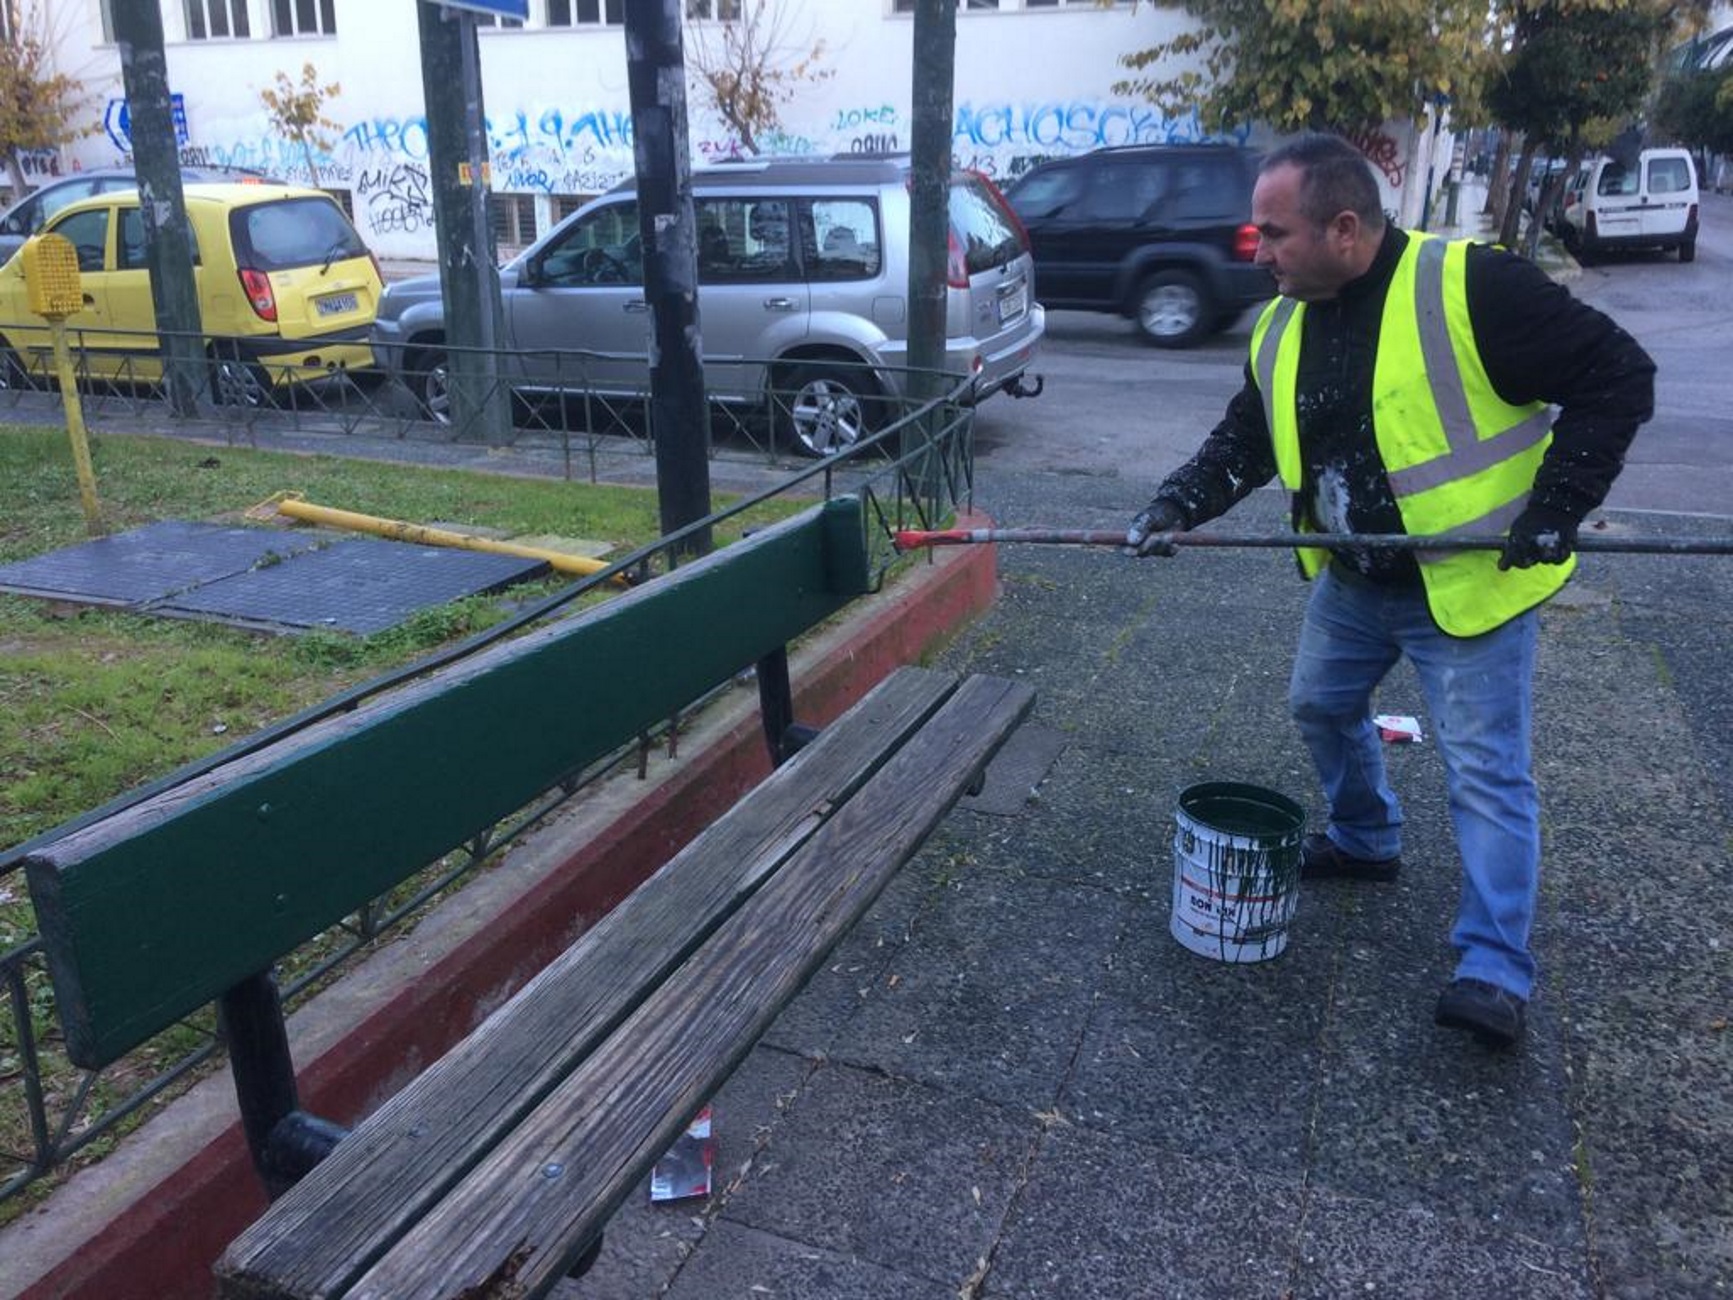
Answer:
(1321, 859)
(1492, 1014)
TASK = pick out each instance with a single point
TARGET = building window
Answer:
(304, 17)
(722, 11)
(908, 6)
(586, 13)
(209, 20)
(513, 218)
(493, 20)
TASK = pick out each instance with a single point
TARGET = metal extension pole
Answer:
(912, 539)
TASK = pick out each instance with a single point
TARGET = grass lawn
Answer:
(97, 701)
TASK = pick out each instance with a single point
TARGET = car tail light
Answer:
(1246, 243)
(1691, 215)
(377, 269)
(956, 268)
(257, 286)
(1589, 226)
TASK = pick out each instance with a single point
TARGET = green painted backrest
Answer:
(153, 912)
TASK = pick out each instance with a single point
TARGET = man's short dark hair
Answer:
(1334, 177)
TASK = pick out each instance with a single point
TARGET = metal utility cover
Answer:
(149, 563)
(350, 586)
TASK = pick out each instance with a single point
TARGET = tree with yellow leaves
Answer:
(40, 107)
(750, 66)
(299, 113)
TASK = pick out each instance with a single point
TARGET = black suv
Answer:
(1161, 234)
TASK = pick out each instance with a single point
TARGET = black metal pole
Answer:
(167, 237)
(679, 414)
(933, 72)
(468, 275)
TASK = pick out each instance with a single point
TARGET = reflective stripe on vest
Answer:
(1459, 458)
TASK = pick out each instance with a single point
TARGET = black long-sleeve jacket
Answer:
(1538, 343)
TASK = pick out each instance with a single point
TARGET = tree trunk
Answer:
(1511, 226)
(1498, 182)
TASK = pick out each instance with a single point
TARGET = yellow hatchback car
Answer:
(287, 291)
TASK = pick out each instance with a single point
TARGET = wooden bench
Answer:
(493, 1172)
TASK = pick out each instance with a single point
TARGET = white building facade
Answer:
(1034, 79)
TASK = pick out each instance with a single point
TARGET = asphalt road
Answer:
(1116, 407)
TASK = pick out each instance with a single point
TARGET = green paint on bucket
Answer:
(1236, 870)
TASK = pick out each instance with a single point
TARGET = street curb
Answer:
(152, 1217)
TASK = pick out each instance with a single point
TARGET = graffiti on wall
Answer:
(581, 149)
(394, 199)
(1381, 151)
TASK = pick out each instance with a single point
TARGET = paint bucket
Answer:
(1236, 870)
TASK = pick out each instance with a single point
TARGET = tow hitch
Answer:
(1020, 386)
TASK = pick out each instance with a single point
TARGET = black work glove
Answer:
(1540, 535)
(1160, 516)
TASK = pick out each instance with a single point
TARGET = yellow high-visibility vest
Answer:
(1460, 459)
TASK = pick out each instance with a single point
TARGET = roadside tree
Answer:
(1695, 107)
(749, 65)
(1578, 72)
(1347, 66)
(298, 112)
(40, 108)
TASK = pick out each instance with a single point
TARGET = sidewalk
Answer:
(1012, 1082)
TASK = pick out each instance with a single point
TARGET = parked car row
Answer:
(1609, 204)
(287, 289)
(803, 269)
(803, 279)
(1160, 234)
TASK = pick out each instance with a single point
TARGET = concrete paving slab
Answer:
(740, 1261)
(1368, 1248)
(992, 995)
(1204, 1058)
(908, 1178)
(1107, 1215)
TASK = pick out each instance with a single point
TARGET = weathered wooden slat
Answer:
(139, 910)
(523, 1216)
(325, 1231)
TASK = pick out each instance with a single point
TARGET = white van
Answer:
(1652, 205)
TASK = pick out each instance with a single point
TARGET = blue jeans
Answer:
(1478, 693)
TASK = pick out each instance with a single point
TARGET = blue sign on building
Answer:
(519, 9)
(117, 121)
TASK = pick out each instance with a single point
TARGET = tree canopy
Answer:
(1297, 65)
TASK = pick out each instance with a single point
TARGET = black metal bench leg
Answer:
(782, 733)
(284, 1140)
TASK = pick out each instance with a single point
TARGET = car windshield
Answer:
(288, 233)
(988, 234)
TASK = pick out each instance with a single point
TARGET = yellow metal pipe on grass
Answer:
(421, 535)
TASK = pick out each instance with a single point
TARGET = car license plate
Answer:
(336, 304)
(1013, 301)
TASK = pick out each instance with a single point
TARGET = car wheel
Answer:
(1688, 249)
(235, 381)
(430, 381)
(823, 409)
(1173, 310)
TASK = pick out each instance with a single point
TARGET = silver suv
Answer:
(803, 270)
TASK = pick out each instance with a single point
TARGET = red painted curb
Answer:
(149, 1226)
